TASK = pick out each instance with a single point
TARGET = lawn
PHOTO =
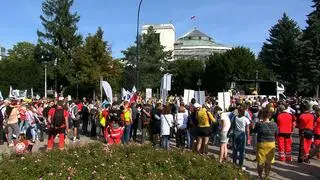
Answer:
(97, 161)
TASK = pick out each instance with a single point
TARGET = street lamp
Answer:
(138, 43)
(45, 79)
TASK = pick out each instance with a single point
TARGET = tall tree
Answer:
(21, 70)
(60, 37)
(153, 61)
(310, 59)
(93, 60)
(236, 64)
(281, 52)
(185, 74)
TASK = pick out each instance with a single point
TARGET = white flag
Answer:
(1, 97)
(134, 90)
(168, 82)
(108, 90)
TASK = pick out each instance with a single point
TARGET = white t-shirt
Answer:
(241, 123)
(166, 123)
(226, 123)
(182, 120)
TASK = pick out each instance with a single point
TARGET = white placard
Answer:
(148, 94)
(224, 100)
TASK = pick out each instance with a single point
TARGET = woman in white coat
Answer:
(166, 123)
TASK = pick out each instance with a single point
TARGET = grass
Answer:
(96, 161)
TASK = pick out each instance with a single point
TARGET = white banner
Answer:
(148, 94)
(188, 95)
(224, 100)
(108, 90)
(1, 97)
(168, 82)
(200, 97)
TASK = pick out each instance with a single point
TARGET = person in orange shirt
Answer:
(58, 122)
(305, 124)
(286, 123)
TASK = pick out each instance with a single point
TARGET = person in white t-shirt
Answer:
(225, 124)
(241, 133)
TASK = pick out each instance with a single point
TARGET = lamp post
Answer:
(138, 45)
(199, 84)
(45, 79)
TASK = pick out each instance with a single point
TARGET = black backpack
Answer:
(58, 118)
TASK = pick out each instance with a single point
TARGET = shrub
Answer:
(96, 161)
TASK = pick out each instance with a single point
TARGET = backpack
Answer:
(58, 118)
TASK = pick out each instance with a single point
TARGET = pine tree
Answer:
(310, 59)
(281, 52)
(60, 37)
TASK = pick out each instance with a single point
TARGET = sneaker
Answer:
(74, 139)
(11, 145)
(243, 168)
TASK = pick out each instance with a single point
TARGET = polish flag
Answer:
(193, 17)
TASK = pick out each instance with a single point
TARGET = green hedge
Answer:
(96, 161)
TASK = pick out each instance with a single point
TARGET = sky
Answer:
(231, 22)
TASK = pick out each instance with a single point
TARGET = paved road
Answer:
(281, 171)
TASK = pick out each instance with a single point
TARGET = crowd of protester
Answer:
(258, 122)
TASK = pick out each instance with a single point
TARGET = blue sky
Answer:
(231, 22)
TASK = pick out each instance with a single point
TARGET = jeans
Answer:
(126, 135)
(13, 129)
(33, 131)
(165, 141)
(239, 143)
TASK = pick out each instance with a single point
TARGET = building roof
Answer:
(197, 39)
(195, 33)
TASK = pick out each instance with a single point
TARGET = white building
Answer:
(2, 53)
(197, 45)
(167, 34)
(193, 45)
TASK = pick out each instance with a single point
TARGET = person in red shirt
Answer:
(58, 121)
(286, 123)
(305, 124)
(316, 132)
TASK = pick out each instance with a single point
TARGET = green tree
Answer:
(93, 60)
(185, 74)
(281, 52)
(60, 38)
(21, 70)
(235, 64)
(310, 58)
(153, 61)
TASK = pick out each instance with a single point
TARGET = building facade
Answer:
(197, 45)
(193, 45)
(167, 34)
(2, 53)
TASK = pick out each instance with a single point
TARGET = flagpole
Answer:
(138, 44)
(101, 79)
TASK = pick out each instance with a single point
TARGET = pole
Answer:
(257, 77)
(138, 46)
(45, 81)
(77, 90)
(224, 103)
(101, 79)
